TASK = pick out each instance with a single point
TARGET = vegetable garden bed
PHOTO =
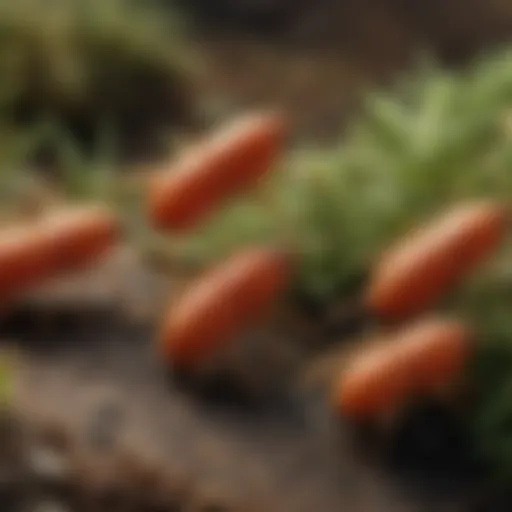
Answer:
(220, 382)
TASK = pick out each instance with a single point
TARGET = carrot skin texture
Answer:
(414, 274)
(31, 254)
(221, 303)
(81, 235)
(439, 350)
(417, 359)
(374, 383)
(227, 163)
(24, 260)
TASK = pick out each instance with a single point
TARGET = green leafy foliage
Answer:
(86, 62)
(491, 414)
(486, 302)
(5, 381)
(85, 85)
(441, 137)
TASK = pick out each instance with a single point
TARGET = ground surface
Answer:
(287, 456)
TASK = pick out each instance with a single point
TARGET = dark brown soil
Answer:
(97, 377)
(453, 29)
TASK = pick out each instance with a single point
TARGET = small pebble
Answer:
(48, 464)
(105, 425)
(50, 476)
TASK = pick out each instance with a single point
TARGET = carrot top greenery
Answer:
(440, 138)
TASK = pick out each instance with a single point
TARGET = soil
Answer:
(453, 29)
(93, 375)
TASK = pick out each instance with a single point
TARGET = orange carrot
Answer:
(229, 162)
(418, 359)
(373, 383)
(221, 303)
(414, 274)
(24, 260)
(80, 235)
(438, 350)
(32, 253)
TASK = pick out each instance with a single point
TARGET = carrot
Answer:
(32, 253)
(418, 359)
(80, 235)
(372, 384)
(412, 275)
(24, 259)
(221, 303)
(225, 164)
(438, 350)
